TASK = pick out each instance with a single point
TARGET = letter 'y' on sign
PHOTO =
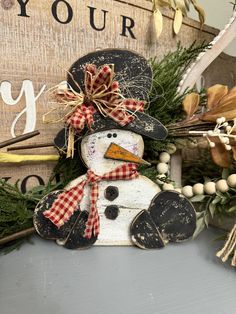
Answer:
(30, 103)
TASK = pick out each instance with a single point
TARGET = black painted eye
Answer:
(114, 135)
(109, 135)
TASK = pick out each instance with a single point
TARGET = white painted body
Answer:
(134, 195)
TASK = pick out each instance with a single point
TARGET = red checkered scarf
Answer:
(102, 95)
(67, 202)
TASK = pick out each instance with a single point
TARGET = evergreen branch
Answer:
(165, 101)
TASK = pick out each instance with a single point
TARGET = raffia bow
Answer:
(101, 94)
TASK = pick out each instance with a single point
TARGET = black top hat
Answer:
(132, 71)
(134, 74)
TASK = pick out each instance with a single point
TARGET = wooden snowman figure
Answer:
(112, 204)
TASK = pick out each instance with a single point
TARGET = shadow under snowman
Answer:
(112, 204)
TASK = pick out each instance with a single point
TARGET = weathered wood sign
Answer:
(40, 40)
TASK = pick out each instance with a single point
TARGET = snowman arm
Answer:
(75, 182)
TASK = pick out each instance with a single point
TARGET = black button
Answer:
(111, 212)
(111, 193)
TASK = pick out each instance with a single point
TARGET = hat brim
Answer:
(143, 124)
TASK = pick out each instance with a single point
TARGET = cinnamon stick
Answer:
(19, 138)
(18, 235)
(30, 146)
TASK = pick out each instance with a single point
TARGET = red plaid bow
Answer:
(67, 202)
(101, 94)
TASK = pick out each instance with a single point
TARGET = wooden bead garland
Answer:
(208, 188)
(163, 167)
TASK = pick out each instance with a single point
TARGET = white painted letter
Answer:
(30, 103)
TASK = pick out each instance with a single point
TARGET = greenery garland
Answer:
(165, 101)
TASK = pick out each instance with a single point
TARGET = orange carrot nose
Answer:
(117, 152)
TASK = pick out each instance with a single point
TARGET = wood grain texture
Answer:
(220, 42)
(134, 196)
(221, 71)
(40, 49)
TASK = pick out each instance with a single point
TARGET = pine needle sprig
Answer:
(16, 209)
(165, 101)
(68, 169)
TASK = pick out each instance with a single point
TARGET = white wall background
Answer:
(218, 12)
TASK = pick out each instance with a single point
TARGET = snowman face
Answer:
(94, 147)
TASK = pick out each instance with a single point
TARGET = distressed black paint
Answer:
(92, 19)
(131, 70)
(127, 27)
(144, 233)
(23, 8)
(112, 212)
(170, 218)
(45, 228)
(69, 11)
(111, 193)
(99, 24)
(6, 178)
(70, 235)
(143, 124)
(174, 215)
(25, 180)
(75, 238)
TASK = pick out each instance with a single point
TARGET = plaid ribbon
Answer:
(101, 94)
(67, 202)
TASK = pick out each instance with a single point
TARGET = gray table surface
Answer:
(180, 279)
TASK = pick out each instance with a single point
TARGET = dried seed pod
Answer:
(215, 94)
(201, 12)
(191, 103)
(158, 22)
(178, 20)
